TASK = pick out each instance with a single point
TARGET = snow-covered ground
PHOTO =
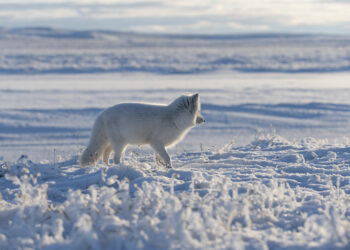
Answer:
(268, 170)
(45, 50)
(269, 194)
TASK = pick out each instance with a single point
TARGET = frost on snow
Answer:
(271, 193)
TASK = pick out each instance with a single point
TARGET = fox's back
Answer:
(136, 111)
(136, 122)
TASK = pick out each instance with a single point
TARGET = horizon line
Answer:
(183, 34)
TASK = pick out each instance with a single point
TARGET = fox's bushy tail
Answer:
(97, 143)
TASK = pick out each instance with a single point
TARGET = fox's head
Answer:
(189, 106)
(197, 109)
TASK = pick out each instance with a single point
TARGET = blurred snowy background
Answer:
(181, 17)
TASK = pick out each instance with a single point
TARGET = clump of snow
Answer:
(270, 141)
(268, 194)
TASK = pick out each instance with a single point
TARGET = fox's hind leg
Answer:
(117, 144)
(106, 153)
(118, 152)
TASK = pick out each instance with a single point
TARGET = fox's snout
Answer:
(200, 119)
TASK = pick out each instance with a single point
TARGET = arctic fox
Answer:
(158, 125)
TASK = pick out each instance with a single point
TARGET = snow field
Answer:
(42, 51)
(269, 194)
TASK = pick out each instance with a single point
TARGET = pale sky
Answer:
(182, 16)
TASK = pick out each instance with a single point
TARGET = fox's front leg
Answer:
(162, 155)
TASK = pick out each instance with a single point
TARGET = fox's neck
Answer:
(182, 121)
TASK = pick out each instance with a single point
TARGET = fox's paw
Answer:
(160, 161)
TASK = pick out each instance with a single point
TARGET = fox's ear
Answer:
(194, 102)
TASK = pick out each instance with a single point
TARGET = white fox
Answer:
(158, 125)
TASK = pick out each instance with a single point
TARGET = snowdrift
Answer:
(271, 193)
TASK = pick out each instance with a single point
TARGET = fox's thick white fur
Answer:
(158, 125)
